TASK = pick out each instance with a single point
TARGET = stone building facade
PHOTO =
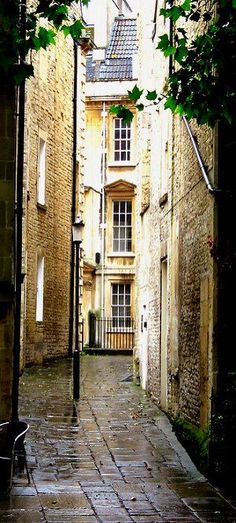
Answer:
(185, 248)
(48, 193)
(52, 174)
(175, 270)
(110, 184)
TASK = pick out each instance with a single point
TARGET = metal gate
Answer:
(107, 334)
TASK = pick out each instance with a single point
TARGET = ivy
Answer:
(23, 29)
(122, 111)
(151, 95)
(203, 85)
(202, 82)
(135, 94)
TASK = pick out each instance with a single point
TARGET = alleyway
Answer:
(112, 458)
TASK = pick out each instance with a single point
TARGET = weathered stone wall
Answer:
(193, 211)
(181, 223)
(49, 110)
(177, 369)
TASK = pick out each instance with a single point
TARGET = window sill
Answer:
(42, 207)
(121, 255)
(122, 164)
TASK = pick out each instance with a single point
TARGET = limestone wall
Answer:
(49, 109)
(175, 273)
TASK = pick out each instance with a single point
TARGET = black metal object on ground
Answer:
(12, 435)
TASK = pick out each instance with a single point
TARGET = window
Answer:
(41, 172)
(122, 226)
(122, 140)
(121, 305)
(40, 285)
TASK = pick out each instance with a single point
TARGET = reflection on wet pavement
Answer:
(110, 457)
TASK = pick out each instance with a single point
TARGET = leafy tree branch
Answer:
(25, 28)
(202, 83)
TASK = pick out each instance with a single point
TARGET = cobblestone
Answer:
(109, 457)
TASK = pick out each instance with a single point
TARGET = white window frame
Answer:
(121, 141)
(41, 189)
(121, 226)
(40, 289)
(121, 304)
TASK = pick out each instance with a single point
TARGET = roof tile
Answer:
(118, 64)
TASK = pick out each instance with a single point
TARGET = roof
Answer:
(118, 63)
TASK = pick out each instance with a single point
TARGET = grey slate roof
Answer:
(118, 64)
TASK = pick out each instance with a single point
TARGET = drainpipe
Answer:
(103, 213)
(210, 187)
(18, 229)
(120, 7)
(171, 33)
(73, 204)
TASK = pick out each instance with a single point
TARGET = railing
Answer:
(111, 334)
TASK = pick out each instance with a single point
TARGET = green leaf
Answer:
(186, 5)
(114, 109)
(181, 53)
(75, 29)
(121, 111)
(164, 42)
(66, 30)
(45, 37)
(234, 4)
(62, 9)
(151, 95)
(170, 103)
(175, 12)
(135, 94)
(140, 107)
(164, 12)
(21, 72)
(127, 116)
(170, 51)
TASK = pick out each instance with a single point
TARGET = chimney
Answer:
(120, 2)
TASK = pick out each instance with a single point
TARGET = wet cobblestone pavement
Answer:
(110, 457)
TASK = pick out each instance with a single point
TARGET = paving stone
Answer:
(111, 511)
(96, 489)
(22, 516)
(64, 500)
(23, 491)
(67, 517)
(148, 519)
(20, 502)
(107, 458)
(103, 498)
(138, 507)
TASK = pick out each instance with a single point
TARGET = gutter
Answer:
(211, 188)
